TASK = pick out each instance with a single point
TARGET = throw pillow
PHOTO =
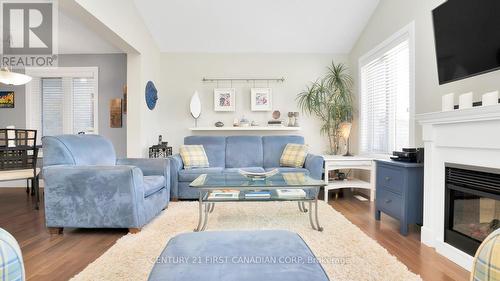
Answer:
(294, 155)
(193, 156)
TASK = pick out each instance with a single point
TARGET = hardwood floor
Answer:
(58, 257)
(50, 257)
(417, 257)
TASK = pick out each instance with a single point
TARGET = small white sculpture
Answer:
(195, 107)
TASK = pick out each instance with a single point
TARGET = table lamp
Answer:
(344, 132)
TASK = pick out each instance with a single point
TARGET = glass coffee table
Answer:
(219, 188)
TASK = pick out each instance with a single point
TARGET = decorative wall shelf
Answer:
(256, 128)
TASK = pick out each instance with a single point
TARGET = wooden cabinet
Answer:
(399, 191)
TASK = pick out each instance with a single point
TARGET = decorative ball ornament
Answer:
(151, 95)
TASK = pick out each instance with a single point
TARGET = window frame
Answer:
(407, 32)
(69, 72)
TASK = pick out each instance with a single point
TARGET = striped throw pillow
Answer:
(294, 155)
(193, 156)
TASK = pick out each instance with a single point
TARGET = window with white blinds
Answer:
(385, 99)
(62, 101)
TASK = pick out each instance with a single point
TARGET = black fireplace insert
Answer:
(472, 205)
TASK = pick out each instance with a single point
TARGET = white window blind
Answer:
(62, 105)
(385, 100)
(83, 105)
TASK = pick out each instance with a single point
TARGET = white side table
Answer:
(337, 162)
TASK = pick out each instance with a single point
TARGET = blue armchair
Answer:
(87, 187)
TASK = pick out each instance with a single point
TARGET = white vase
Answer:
(490, 98)
(447, 102)
(465, 100)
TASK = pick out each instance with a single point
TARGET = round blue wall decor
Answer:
(151, 95)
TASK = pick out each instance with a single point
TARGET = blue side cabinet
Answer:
(399, 192)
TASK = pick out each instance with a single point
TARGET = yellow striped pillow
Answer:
(193, 156)
(294, 155)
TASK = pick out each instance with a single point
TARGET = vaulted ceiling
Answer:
(288, 26)
(76, 38)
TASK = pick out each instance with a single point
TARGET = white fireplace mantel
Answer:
(468, 137)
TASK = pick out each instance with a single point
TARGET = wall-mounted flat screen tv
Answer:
(467, 38)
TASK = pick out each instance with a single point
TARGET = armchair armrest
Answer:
(94, 196)
(176, 165)
(149, 167)
(314, 163)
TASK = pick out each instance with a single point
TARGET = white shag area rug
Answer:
(345, 251)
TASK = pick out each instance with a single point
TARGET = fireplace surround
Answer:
(472, 205)
(467, 137)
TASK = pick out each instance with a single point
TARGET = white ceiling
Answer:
(76, 38)
(288, 26)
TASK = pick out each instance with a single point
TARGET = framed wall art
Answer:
(6, 99)
(224, 99)
(261, 99)
(115, 113)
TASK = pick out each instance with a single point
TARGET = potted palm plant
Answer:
(330, 99)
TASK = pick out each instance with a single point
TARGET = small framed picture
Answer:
(261, 99)
(6, 99)
(225, 99)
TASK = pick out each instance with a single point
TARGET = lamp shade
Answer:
(11, 78)
(345, 129)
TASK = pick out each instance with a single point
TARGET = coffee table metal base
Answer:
(205, 208)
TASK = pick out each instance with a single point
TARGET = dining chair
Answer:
(18, 157)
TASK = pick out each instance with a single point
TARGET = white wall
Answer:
(112, 77)
(181, 75)
(392, 15)
(120, 22)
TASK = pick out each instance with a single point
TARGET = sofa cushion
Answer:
(191, 174)
(289, 170)
(153, 184)
(248, 169)
(215, 148)
(193, 156)
(244, 151)
(294, 155)
(273, 147)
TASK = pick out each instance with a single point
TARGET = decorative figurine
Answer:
(296, 119)
(291, 119)
(244, 122)
(276, 114)
(219, 124)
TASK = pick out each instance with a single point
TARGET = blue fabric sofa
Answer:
(228, 154)
(87, 187)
